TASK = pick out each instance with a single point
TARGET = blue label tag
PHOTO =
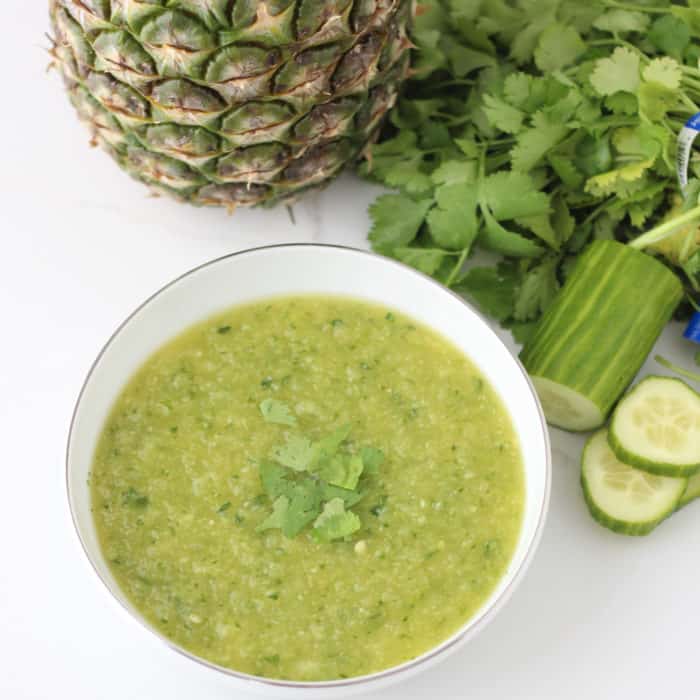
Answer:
(692, 332)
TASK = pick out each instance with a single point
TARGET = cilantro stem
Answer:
(597, 211)
(431, 151)
(689, 69)
(506, 140)
(455, 81)
(694, 285)
(604, 42)
(688, 102)
(452, 120)
(678, 370)
(496, 161)
(458, 266)
(691, 82)
(636, 8)
(666, 229)
(611, 122)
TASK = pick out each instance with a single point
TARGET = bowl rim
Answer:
(468, 629)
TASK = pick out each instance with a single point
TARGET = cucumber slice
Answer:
(622, 498)
(596, 334)
(656, 427)
(692, 490)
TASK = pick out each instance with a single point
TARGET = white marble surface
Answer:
(598, 616)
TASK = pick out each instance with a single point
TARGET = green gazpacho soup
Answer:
(308, 488)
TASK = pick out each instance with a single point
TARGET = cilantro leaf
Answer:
(342, 470)
(278, 517)
(301, 454)
(329, 492)
(566, 170)
(563, 222)
(670, 35)
(335, 522)
(640, 212)
(498, 239)
(533, 144)
(327, 446)
(522, 330)
(452, 223)
(690, 15)
(431, 56)
(382, 157)
(293, 510)
(558, 46)
(593, 155)
(427, 260)
(298, 454)
(492, 288)
(638, 149)
(554, 229)
(517, 89)
(274, 411)
(304, 507)
(464, 59)
(619, 73)
(656, 100)
(502, 115)
(409, 117)
(541, 226)
(406, 174)
(664, 71)
(538, 289)
(622, 103)
(537, 18)
(510, 195)
(454, 172)
(468, 147)
(274, 479)
(395, 220)
(621, 21)
(372, 459)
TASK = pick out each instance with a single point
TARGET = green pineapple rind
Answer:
(186, 94)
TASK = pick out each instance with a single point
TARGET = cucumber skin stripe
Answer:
(604, 322)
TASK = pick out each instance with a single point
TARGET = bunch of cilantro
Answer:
(529, 128)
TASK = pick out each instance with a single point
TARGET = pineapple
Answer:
(232, 102)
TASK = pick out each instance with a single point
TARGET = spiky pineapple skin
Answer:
(232, 102)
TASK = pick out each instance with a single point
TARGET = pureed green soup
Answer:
(178, 499)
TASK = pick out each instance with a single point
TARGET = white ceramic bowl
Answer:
(298, 269)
